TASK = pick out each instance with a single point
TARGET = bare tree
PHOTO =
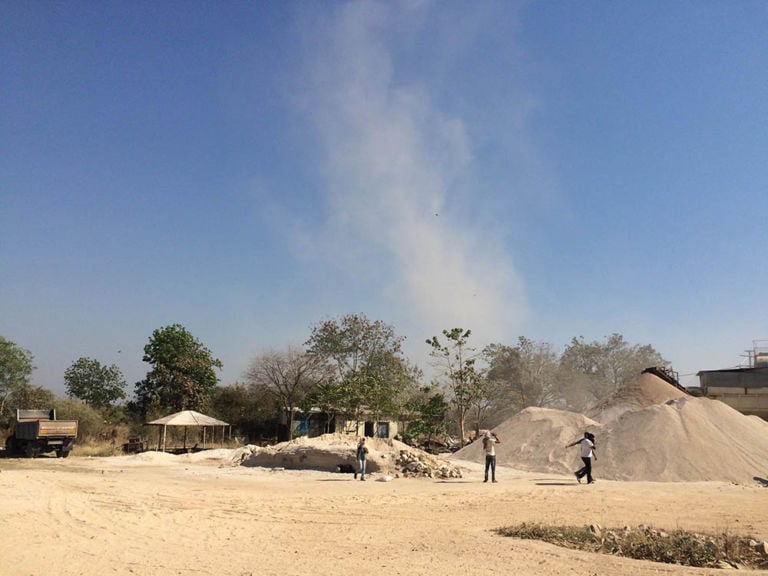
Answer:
(596, 369)
(289, 376)
(538, 375)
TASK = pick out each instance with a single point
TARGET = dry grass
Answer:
(644, 543)
(96, 448)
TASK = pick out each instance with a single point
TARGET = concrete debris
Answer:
(760, 547)
(413, 463)
(336, 452)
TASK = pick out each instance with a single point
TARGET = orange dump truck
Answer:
(37, 431)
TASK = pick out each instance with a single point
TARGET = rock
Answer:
(762, 548)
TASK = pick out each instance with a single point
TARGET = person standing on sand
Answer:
(587, 453)
(362, 453)
(489, 447)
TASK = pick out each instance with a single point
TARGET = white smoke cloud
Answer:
(393, 165)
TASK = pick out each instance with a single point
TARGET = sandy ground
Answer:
(178, 515)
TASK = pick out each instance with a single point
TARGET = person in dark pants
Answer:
(587, 454)
(489, 447)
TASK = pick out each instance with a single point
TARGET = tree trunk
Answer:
(462, 425)
(290, 423)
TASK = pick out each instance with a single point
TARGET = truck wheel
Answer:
(65, 453)
(59, 453)
(31, 451)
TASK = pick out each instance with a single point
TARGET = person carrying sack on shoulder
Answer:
(489, 447)
(587, 454)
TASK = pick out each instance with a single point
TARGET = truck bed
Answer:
(37, 429)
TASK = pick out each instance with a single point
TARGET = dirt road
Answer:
(133, 515)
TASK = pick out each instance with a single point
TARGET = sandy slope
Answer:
(156, 515)
(647, 430)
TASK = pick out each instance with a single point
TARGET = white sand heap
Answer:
(330, 451)
(646, 390)
(648, 430)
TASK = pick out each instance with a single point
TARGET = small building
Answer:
(315, 422)
(745, 389)
(371, 428)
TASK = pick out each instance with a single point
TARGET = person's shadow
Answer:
(551, 482)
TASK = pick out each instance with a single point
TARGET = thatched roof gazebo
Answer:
(187, 418)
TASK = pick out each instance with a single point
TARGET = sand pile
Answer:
(648, 431)
(332, 451)
(686, 439)
(533, 440)
(646, 390)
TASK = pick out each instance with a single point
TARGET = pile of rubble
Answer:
(416, 463)
(337, 452)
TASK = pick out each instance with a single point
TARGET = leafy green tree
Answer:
(354, 343)
(427, 409)
(96, 385)
(385, 391)
(369, 370)
(15, 373)
(250, 410)
(330, 397)
(183, 375)
(500, 397)
(456, 358)
(405, 383)
(289, 376)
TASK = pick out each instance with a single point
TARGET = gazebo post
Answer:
(164, 432)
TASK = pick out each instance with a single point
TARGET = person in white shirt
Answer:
(489, 446)
(587, 454)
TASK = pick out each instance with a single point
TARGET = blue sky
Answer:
(248, 169)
